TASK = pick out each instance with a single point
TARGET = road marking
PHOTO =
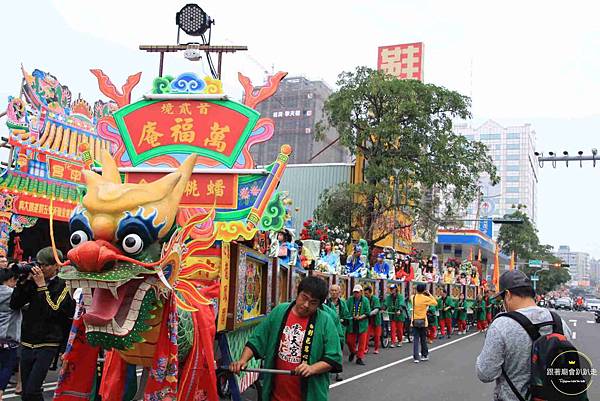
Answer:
(389, 365)
(574, 322)
(591, 321)
(574, 335)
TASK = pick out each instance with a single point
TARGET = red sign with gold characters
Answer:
(29, 205)
(66, 170)
(217, 129)
(202, 190)
(402, 61)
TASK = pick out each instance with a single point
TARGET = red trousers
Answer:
(375, 332)
(352, 339)
(462, 325)
(446, 324)
(481, 325)
(397, 329)
(432, 332)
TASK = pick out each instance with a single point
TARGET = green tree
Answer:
(524, 241)
(403, 129)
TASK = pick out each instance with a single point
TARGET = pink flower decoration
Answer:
(245, 193)
(254, 190)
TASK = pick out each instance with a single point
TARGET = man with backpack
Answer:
(507, 356)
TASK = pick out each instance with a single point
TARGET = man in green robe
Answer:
(343, 316)
(396, 308)
(356, 333)
(301, 337)
(445, 307)
(374, 329)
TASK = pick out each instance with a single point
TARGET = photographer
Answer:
(47, 310)
(10, 328)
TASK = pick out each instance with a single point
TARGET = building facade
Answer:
(579, 264)
(295, 109)
(512, 150)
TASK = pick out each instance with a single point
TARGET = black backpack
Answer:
(544, 350)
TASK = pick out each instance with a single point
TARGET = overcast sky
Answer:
(521, 61)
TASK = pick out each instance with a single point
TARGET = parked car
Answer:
(564, 303)
(593, 304)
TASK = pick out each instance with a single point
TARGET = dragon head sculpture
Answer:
(117, 235)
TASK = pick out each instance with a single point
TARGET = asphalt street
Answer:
(450, 372)
(448, 375)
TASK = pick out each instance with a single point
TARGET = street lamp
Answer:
(535, 278)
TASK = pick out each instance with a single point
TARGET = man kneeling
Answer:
(298, 336)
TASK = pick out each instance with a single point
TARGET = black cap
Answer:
(512, 279)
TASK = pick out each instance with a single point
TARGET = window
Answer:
(469, 137)
(490, 137)
(513, 135)
(513, 146)
(513, 190)
(513, 168)
(513, 157)
(512, 178)
(512, 201)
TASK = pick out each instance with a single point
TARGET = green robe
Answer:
(434, 320)
(480, 310)
(264, 344)
(392, 307)
(341, 316)
(374, 303)
(365, 309)
(461, 310)
(445, 303)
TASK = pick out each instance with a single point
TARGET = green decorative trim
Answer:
(274, 216)
(162, 84)
(137, 159)
(233, 215)
(244, 179)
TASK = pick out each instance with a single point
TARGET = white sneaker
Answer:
(392, 345)
(415, 360)
(424, 358)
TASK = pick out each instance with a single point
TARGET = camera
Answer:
(22, 269)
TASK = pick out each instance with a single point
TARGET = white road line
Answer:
(574, 335)
(574, 322)
(389, 365)
(591, 321)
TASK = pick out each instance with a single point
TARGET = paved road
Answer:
(450, 372)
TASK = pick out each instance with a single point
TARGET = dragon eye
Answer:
(78, 237)
(132, 244)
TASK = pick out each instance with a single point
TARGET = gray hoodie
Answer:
(10, 320)
(508, 344)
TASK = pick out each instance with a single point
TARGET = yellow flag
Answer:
(512, 261)
(496, 274)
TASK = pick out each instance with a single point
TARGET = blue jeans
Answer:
(8, 361)
(420, 337)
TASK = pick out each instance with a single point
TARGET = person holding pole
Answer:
(396, 308)
(298, 337)
(374, 329)
(356, 335)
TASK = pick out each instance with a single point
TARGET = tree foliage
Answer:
(524, 241)
(403, 129)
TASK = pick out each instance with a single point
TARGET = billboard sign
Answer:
(404, 61)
